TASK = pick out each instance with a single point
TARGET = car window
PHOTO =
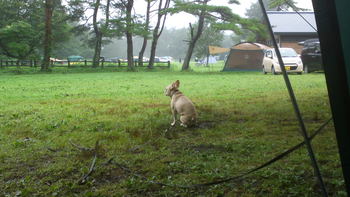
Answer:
(288, 52)
(268, 53)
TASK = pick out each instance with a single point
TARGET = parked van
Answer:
(311, 55)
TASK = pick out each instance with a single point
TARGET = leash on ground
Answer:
(230, 179)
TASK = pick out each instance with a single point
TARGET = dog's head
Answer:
(170, 89)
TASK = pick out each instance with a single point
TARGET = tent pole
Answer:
(295, 104)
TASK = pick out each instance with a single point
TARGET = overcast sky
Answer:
(182, 20)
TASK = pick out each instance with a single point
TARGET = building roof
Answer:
(291, 23)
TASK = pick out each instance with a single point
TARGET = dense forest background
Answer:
(102, 29)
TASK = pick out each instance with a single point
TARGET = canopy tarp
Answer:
(217, 50)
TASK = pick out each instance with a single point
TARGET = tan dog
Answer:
(182, 105)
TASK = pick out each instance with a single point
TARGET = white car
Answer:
(165, 59)
(168, 58)
(292, 61)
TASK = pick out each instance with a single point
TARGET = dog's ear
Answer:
(177, 84)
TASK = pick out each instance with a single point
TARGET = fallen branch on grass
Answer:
(80, 147)
(53, 150)
(229, 179)
(83, 179)
(109, 161)
(92, 167)
(135, 148)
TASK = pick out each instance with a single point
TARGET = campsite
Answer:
(244, 121)
(174, 98)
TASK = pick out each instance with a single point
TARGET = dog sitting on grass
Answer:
(182, 105)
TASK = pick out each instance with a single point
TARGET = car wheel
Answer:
(263, 70)
(273, 70)
(306, 69)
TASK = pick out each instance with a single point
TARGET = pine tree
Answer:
(219, 17)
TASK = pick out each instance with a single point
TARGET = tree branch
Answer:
(191, 30)
(91, 170)
(167, 4)
(80, 147)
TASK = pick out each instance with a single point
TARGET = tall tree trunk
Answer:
(157, 32)
(98, 32)
(186, 63)
(194, 38)
(98, 36)
(128, 34)
(145, 37)
(130, 51)
(48, 35)
(97, 51)
(153, 48)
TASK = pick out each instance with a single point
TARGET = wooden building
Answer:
(290, 28)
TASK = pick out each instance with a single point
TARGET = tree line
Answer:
(41, 28)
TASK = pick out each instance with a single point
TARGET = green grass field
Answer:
(245, 119)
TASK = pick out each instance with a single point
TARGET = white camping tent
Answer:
(210, 60)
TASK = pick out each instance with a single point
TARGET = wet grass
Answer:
(245, 119)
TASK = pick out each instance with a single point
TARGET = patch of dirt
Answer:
(111, 175)
(206, 124)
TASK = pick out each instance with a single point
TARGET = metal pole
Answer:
(295, 104)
